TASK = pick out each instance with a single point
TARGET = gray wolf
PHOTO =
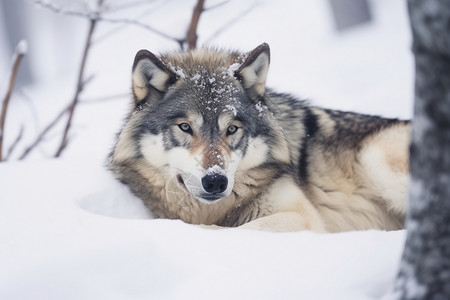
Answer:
(206, 142)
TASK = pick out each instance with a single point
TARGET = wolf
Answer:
(206, 142)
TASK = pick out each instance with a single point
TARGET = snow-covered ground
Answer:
(68, 230)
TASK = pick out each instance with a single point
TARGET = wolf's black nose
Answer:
(215, 183)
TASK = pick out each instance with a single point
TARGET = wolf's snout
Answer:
(215, 183)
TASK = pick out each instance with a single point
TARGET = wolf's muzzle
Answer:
(215, 183)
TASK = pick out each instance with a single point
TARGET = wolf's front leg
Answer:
(279, 222)
(284, 222)
(292, 211)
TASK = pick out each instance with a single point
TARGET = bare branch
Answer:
(88, 80)
(128, 4)
(121, 26)
(56, 9)
(40, 137)
(232, 21)
(14, 144)
(55, 121)
(79, 87)
(191, 36)
(216, 5)
(104, 98)
(142, 25)
(95, 16)
(21, 49)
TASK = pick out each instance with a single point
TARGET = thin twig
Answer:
(19, 54)
(142, 25)
(96, 17)
(216, 5)
(44, 132)
(103, 98)
(15, 143)
(59, 10)
(79, 86)
(121, 26)
(232, 21)
(128, 4)
(88, 80)
(191, 36)
(40, 137)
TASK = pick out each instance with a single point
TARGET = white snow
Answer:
(232, 109)
(196, 77)
(178, 71)
(232, 68)
(53, 248)
(68, 230)
(214, 169)
(260, 108)
(22, 47)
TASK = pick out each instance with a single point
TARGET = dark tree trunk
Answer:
(425, 267)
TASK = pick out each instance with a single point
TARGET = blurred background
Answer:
(343, 54)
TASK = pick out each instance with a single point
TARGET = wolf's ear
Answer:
(253, 72)
(151, 78)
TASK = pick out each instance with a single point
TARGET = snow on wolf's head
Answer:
(195, 116)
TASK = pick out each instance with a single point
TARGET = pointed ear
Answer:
(253, 71)
(151, 78)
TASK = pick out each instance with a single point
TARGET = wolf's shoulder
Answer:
(332, 127)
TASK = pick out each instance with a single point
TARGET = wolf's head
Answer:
(198, 117)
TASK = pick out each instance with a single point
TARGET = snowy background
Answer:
(69, 231)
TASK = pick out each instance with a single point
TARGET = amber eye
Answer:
(186, 128)
(232, 129)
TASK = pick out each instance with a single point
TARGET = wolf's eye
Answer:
(232, 129)
(185, 127)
